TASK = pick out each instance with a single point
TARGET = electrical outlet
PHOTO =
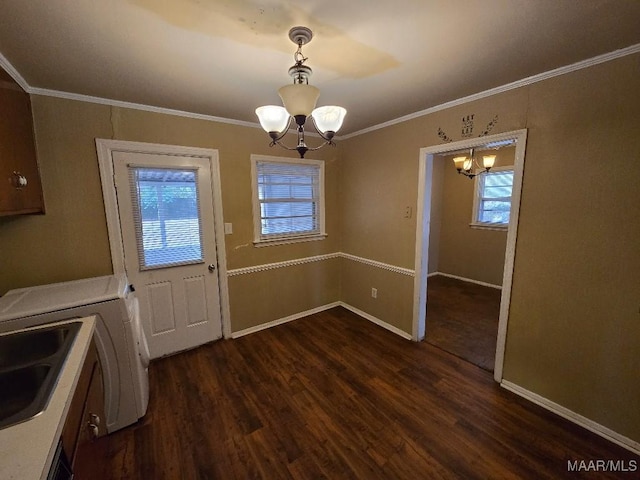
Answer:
(374, 292)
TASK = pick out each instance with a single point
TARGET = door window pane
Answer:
(166, 216)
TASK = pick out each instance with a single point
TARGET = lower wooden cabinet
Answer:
(85, 421)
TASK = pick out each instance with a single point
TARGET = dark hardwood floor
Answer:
(333, 396)
(462, 318)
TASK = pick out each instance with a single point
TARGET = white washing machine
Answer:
(120, 340)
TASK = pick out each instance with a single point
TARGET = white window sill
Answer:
(500, 227)
(287, 240)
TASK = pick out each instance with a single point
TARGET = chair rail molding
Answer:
(319, 258)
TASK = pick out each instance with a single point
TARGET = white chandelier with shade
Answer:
(299, 100)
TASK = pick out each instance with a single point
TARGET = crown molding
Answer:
(4, 63)
(137, 106)
(147, 108)
(623, 52)
(180, 113)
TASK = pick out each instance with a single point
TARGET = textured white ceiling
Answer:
(379, 59)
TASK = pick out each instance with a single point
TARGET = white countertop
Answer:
(27, 449)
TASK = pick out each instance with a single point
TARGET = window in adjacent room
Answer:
(288, 199)
(492, 201)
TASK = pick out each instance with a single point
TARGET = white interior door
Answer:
(165, 204)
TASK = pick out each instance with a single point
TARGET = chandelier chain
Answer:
(298, 57)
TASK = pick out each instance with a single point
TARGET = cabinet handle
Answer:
(93, 425)
(95, 419)
(18, 180)
(95, 431)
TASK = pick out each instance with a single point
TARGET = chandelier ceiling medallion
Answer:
(299, 100)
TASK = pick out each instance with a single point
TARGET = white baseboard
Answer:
(280, 321)
(377, 321)
(296, 316)
(574, 417)
(464, 279)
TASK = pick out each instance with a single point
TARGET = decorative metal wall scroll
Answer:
(444, 136)
(490, 126)
(467, 128)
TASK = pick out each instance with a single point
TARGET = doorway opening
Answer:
(432, 160)
(468, 236)
(462, 319)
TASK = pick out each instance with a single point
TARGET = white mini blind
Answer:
(494, 201)
(289, 197)
(166, 215)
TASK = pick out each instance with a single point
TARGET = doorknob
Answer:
(211, 267)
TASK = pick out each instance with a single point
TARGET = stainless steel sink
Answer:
(30, 364)
(20, 388)
(33, 346)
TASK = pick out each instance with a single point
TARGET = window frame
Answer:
(260, 239)
(477, 201)
(135, 184)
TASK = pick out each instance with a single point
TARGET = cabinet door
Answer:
(91, 453)
(75, 418)
(86, 410)
(20, 188)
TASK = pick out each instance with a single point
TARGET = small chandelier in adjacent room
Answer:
(299, 100)
(465, 165)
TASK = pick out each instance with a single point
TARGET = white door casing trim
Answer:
(423, 214)
(105, 149)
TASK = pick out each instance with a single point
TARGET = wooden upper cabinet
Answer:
(20, 187)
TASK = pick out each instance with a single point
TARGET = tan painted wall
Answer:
(379, 179)
(71, 242)
(276, 294)
(357, 279)
(472, 253)
(574, 332)
(574, 329)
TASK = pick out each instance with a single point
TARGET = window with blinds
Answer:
(288, 198)
(493, 198)
(166, 214)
